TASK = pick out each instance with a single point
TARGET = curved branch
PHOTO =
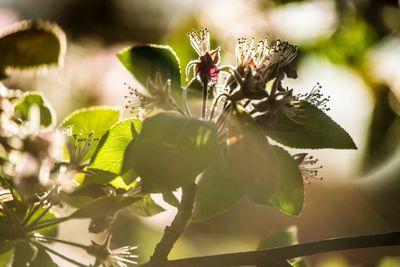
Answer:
(280, 254)
(177, 227)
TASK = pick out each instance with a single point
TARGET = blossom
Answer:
(316, 98)
(158, 96)
(307, 166)
(206, 66)
(77, 145)
(106, 257)
(258, 64)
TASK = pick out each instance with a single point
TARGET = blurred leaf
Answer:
(172, 150)
(96, 176)
(5, 244)
(170, 198)
(98, 119)
(103, 206)
(145, 207)
(144, 61)
(389, 262)
(289, 194)
(383, 133)
(251, 159)
(24, 253)
(5, 257)
(119, 183)
(113, 147)
(23, 107)
(100, 224)
(313, 130)
(279, 238)
(42, 259)
(217, 189)
(30, 45)
(350, 44)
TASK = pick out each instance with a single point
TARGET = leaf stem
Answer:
(59, 255)
(269, 256)
(177, 227)
(51, 239)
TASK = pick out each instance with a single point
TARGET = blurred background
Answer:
(352, 47)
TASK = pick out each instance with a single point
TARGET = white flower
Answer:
(121, 257)
(77, 145)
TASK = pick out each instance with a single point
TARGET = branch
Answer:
(277, 255)
(173, 232)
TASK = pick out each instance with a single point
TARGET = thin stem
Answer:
(177, 227)
(205, 97)
(46, 238)
(41, 215)
(269, 256)
(45, 224)
(59, 255)
(214, 105)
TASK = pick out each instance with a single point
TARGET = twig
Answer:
(177, 227)
(279, 254)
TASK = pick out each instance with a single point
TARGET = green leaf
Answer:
(145, 207)
(110, 153)
(289, 193)
(170, 198)
(251, 159)
(280, 238)
(42, 259)
(98, 119)
(23, 108)
(24, 253)
(31, 45)
(217, 189)
(96, 176)
(103, 206)
(172, 150)
(100, 224)
(314, 130)
(5, 257)
(5, 244)
(144, 61)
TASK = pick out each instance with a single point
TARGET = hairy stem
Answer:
(177, 227)
(205, 97)
(277, 255)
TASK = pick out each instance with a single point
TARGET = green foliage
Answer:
(172, 150)
(103, 206)
(289, 192)
(31, 45)
(313, 129)
(24, 109)
(171, 199)
(97, 119)
(145, 61)
(145, 207)
(113, 149)
(251, 158)
(216, 191)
